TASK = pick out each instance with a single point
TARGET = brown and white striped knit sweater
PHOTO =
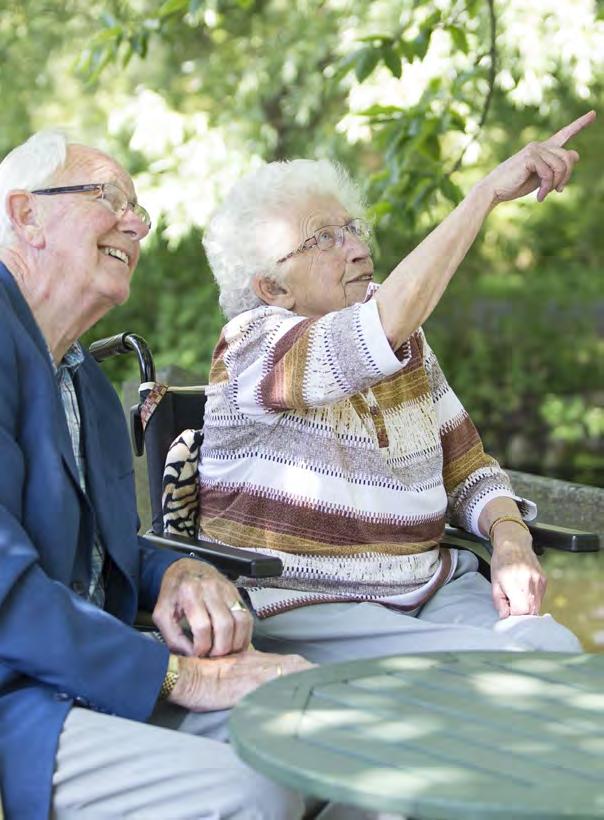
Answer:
(342, 457)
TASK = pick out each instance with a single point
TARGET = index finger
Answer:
(562, 136)
(172, 632)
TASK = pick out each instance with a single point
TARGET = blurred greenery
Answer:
(419, 99)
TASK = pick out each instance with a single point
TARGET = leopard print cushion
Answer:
(180, 496)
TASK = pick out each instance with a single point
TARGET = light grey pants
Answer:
(173, 767)
(461, 616)
(108, 767)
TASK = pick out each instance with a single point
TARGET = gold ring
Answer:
(237, 606)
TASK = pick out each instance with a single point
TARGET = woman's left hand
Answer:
(517, 580)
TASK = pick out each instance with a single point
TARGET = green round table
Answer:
(471, 735)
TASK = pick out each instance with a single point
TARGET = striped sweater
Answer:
(342, 457)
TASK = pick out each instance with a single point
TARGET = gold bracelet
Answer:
(501, 518)
(172, 675)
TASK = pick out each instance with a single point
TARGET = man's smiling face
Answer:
(92, 250)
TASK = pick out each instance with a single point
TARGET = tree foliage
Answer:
(418, 99)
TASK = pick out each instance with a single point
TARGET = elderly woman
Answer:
(332, 438)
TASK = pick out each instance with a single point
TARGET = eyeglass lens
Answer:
(118, 202)
(332, 235)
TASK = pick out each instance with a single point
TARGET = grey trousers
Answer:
(461, 616)
(108, 767)
(173, 767)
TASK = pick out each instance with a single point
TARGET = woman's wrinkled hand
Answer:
(206, 685)
(199, 611)
(517, 580)
(543, 166)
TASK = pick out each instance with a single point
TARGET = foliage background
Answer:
(418, 99)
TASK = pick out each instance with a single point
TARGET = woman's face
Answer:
(315, 281)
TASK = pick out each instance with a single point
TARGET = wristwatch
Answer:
(172, 674)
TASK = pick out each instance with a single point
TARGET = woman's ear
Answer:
(23, 216)
(272, 292)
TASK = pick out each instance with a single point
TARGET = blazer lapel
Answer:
(26, 318)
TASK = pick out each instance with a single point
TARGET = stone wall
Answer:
(562, 502)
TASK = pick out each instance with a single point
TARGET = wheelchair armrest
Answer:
(555, 537)
(548, 536)
(144, 622)
(229, 560)
(456, 537)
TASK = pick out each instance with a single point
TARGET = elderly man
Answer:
(332, 438)
(88, 706)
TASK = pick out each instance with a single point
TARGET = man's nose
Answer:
(133, 225)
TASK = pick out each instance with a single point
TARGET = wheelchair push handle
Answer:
(124, 343)
(109, 346)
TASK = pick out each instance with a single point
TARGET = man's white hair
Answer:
(237, 240)
(29, 166)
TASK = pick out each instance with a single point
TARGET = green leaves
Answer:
(450, 190)
(459, 38)
(381, 50)
(421, 42)
(118, 41)
(172, 7)
(365, 60)
(392, 60)
(417, 141)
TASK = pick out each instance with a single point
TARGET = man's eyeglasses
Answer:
(112, 195)
(331, 236)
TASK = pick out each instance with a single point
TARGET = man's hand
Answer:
(206, 685)
(540, 165)
(517, 580)
(195, 598)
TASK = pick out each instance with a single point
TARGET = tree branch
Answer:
(491, 88)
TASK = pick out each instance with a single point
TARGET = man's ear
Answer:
(272, 292)
(24, 217)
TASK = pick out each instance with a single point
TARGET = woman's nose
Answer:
(355, 246)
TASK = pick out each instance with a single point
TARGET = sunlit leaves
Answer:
(117, 42)
(173, 6)
(459, 38)
(416, 139)
(572, 419)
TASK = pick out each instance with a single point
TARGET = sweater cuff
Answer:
(376, 342)
(527, 508)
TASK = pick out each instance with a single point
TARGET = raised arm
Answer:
(415, 286)
(278, 361)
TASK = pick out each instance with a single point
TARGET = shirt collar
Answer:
(72, 359)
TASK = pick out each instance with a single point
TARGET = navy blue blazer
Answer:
(56, 649)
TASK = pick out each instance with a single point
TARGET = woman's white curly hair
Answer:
(237, 239)
(29, 166)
